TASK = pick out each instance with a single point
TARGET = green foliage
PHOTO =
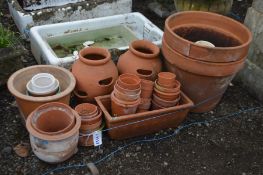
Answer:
(7, 37)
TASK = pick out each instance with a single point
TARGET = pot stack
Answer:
(91, 120)
(146, 95)
(204, 71)
(166, 91)
(125, 97)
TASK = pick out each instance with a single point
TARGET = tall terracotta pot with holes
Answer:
(203, 82)
(95, 73)
(141, 59)
(230, 37)
(26, 104)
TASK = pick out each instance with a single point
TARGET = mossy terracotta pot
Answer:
(53, 148)
(95, 73)
(231, 38)
(203, 82)
(141, 59)
(26, 104)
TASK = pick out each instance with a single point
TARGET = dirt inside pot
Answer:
(193, 33)
(53, 121)
(94, 57)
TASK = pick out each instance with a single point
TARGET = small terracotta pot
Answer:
(174, 89)
(26, 104)
(147, 88)
(166, 96)
(127, 91)
(166, 79)
(126, 97)
(90, 121)
(156, 106)
(86, 137)
(86, 110)
(165, 103)
(119, 107)
(53, 118)
(145, 104)
(129, 81)
(141, 59)
(90, 127)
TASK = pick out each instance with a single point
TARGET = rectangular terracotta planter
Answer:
(153, 121)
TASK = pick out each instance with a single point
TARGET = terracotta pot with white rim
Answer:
(26, 104)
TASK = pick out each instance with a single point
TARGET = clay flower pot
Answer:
(176, 87)
(165, 103)
(166, 79)
(129, 81)
(230, 37)
(120, 107)
(147, 88)
(86, 137)
(49, 147)
(156, 106)
(86, 110)
(202, 81)
(166, 96)
(87, 122)
(141, 59)
(17, 86)
(49, 119)
(126, 97)
(95, 73)
(145, 105)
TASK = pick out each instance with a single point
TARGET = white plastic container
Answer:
(135, 23)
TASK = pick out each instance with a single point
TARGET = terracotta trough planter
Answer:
(170, 118)
(26, 104)
(230, 37)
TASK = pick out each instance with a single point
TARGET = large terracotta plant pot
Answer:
(230, 37)
(53, 139)
(17, 86)
(217, 6)
(203, 82)
(95, 73)
(141, 59)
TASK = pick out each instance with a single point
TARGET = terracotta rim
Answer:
(89, 121)
(66, 135)
(50, 105)
(127, 91)
(144, 44)
(90, 127)
(87, 107)
(200, 67)
(124, 96)
(55, 97)
(124, 77)
(147, 84)
(159, 100)
(125, 103)
(175, 89)
(166, 77)
(95, 50)
(215, 15)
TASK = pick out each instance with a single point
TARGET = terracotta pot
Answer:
(166, 96)
(87, 110)
(145, 104)
(230, 37)
(53, 118)
(49, 148)
(95, 73)
(85, 123)
(141, 59)
(120, 107)
(166, 79)
(147, 88)
(26, 104)
(165, 103)
(156, 106)
(129, 81)
(127, 91)
(204, 82)
(176, 87)
(86, 137)
(126, 97)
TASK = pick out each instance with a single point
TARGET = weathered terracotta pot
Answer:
(145, 105)
(95, 73)
(203, 82)
(86, 123)
(120, 107)
(230, 37)
(165, 103)
(61, 115)
(17, 86)
(126, 97)
(53, 148)
(166, 96)
(166, 79)
(129, 81)
(86, 137)
(127, 91)
(147, 88)
(174, 89)
(87, 110)
(141, 59)
(156, 106)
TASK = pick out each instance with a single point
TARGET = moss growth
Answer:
(7, 37)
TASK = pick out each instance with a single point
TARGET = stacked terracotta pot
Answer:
(166, 91)
(125, 97)
(205, 71)
(146, 95)
(91, 120)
